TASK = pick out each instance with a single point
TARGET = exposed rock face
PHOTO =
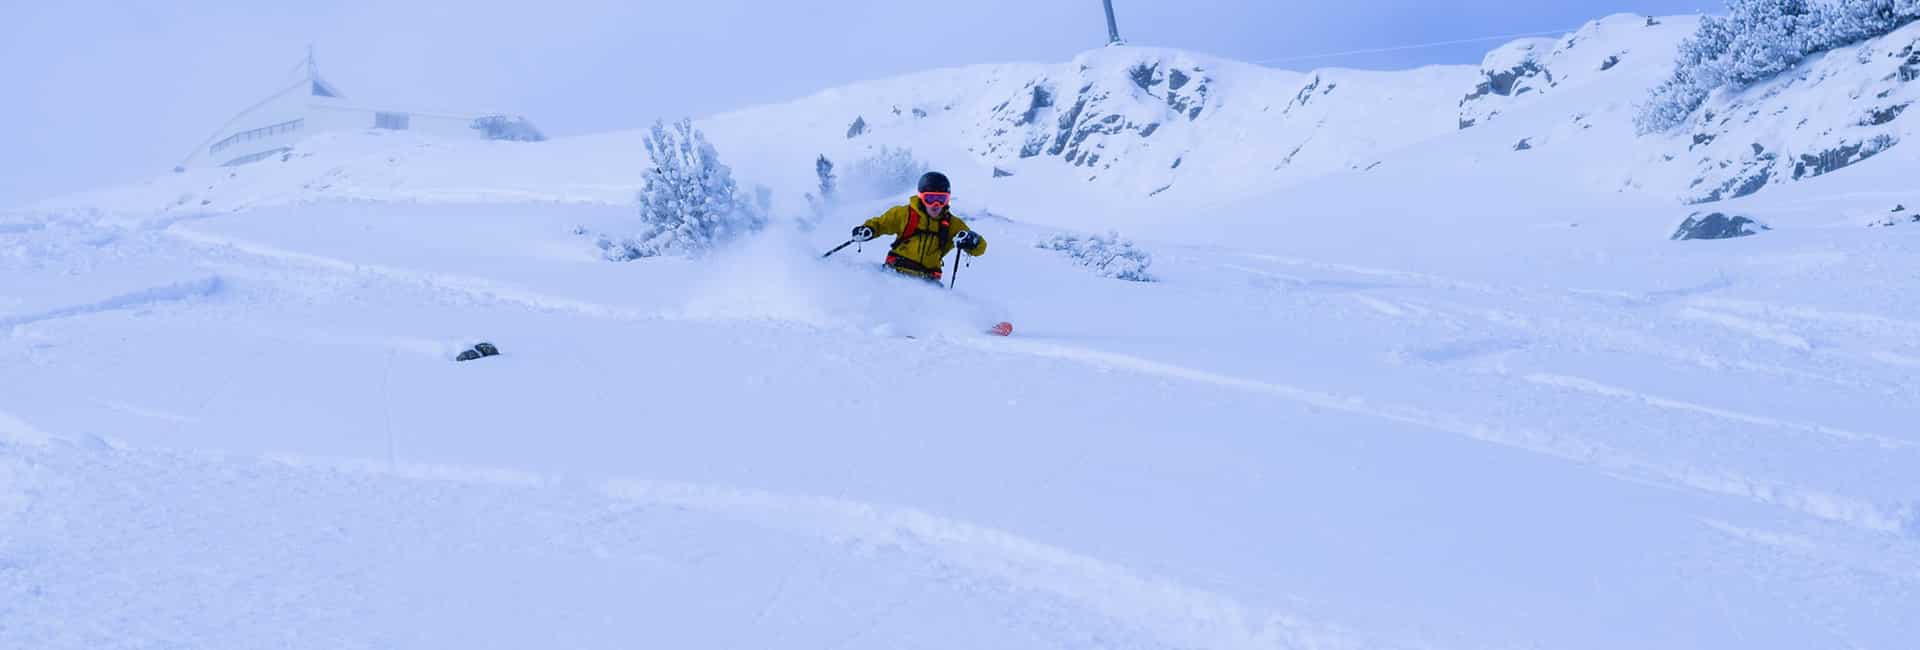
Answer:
(1087, 120)
(1513, 70)
(1833, 111)
(1822, 162)
(1717, 225)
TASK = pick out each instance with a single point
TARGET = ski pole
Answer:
(956, 268)
(836, 249)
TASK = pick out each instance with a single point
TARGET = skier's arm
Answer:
(890, 222)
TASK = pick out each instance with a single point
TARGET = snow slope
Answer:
(1674, 447)
(1470, 397)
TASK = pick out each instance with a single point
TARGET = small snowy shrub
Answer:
(823, 169)
(689, 202)
(1109, 255)
(1758, 39)
(887, 172)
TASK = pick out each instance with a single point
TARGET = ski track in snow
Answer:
(1574, 325)
(1885, 324)
(185, 290)
(1806, 501)
(1119, 599)
(1182, 616)
(473, 287)
(1597, 388)
(1768, 332)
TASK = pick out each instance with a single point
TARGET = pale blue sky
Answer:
(102, 91)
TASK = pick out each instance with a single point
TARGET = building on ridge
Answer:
(313, 105)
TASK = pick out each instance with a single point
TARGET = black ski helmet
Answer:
(935, 182)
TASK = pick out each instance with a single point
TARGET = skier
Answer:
(924, 230)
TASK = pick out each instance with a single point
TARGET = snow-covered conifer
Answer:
(689, 202)
(823, 168)
(1758, 39)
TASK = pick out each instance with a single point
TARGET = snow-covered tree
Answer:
(829, 191)
(1758, 39)
(1697, 71)
(887, 172)
(689, 202)
(824, 169)
(1843, 22)
(1768, 36)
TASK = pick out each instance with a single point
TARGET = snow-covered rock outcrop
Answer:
(1836, 109)
(1151, 131)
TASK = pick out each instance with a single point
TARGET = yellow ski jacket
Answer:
(920, 253)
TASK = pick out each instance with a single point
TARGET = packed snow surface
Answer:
(1458, 401)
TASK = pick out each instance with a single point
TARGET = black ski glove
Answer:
(862, 233)
(965, 240)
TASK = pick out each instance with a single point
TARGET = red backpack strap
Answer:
(906, 235)
(913, 224)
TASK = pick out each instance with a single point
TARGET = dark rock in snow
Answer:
(1756, 176)
(1523, 145)
(1042, 99)
(858, 127)
(1899, 208)
(1001, 173)
(1145, 76)
(1811, 165)
(1884, 115)
(1502, 83)
(1717, 225)
(479, 350)
(1176, 79)
(486, 349)
(1609, 63)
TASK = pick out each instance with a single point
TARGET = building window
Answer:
(256, 134)
(395, 121)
